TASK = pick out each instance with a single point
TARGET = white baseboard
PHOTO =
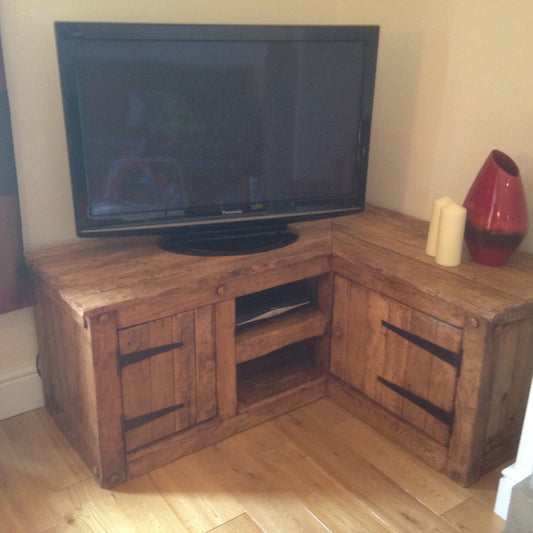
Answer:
(511, 476)
(20, 391)
(522, 468)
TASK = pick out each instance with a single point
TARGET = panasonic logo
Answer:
(231, 211)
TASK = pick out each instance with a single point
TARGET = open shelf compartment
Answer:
(275, 373)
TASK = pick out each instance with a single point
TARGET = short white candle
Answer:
(431, 243)
(450, 236)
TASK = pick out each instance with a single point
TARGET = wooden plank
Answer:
(137, 395)
(434, 490)
(90, 281)
(201, 290)
(184, 371)
(35, 460)
(339, 362)
(225, 359)
(356, 333)
(324, 304)
(394, 507)
(472, 516)
(241, 524)
(163, 393)
(377, 310)
(401, 234)
(443, 381)
(471, 402)
(138, 506)
(512, 371)
(395, 360)
(136, 383)
(406, 236)
(406, 279)
(204, 331)
(111, 469)
(287, 469)
(418, 369)
(521, 379)
(505, 341)
(198, 501)
(255, 341)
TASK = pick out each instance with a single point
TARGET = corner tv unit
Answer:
(215, 136)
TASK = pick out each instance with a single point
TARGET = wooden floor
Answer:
(315, 469)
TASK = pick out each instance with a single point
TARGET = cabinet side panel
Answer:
(44, 323)
(491, 397)
(66, 365)
(522, 374)
(512, 377)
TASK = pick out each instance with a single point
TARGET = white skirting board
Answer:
(20, 391)
(522, 468)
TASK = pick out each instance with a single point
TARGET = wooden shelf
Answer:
(257, 340)
(272, 375)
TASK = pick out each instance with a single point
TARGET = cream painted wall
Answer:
(30, 61)
(454, 80)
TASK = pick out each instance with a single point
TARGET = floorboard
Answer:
(316, 469)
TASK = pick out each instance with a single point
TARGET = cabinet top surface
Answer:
(101, 273)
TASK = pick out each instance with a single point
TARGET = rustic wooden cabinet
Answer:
(461, 412)
(140, 355)
(142, 360)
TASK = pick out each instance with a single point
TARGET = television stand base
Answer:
(230, 242)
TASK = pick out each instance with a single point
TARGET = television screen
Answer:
(171, 128)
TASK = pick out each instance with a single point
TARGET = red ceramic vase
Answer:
(496, 211)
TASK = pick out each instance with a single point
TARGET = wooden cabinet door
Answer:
(167, 375)
(405, 360)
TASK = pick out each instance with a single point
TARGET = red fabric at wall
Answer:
(14, 292)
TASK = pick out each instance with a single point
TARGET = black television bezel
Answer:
(204, 224)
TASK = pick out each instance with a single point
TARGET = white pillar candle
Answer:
(450, 235)
(431, 243)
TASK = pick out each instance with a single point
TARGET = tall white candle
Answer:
(431, 243)
(450, 235)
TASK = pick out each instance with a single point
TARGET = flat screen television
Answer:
(215, 136)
